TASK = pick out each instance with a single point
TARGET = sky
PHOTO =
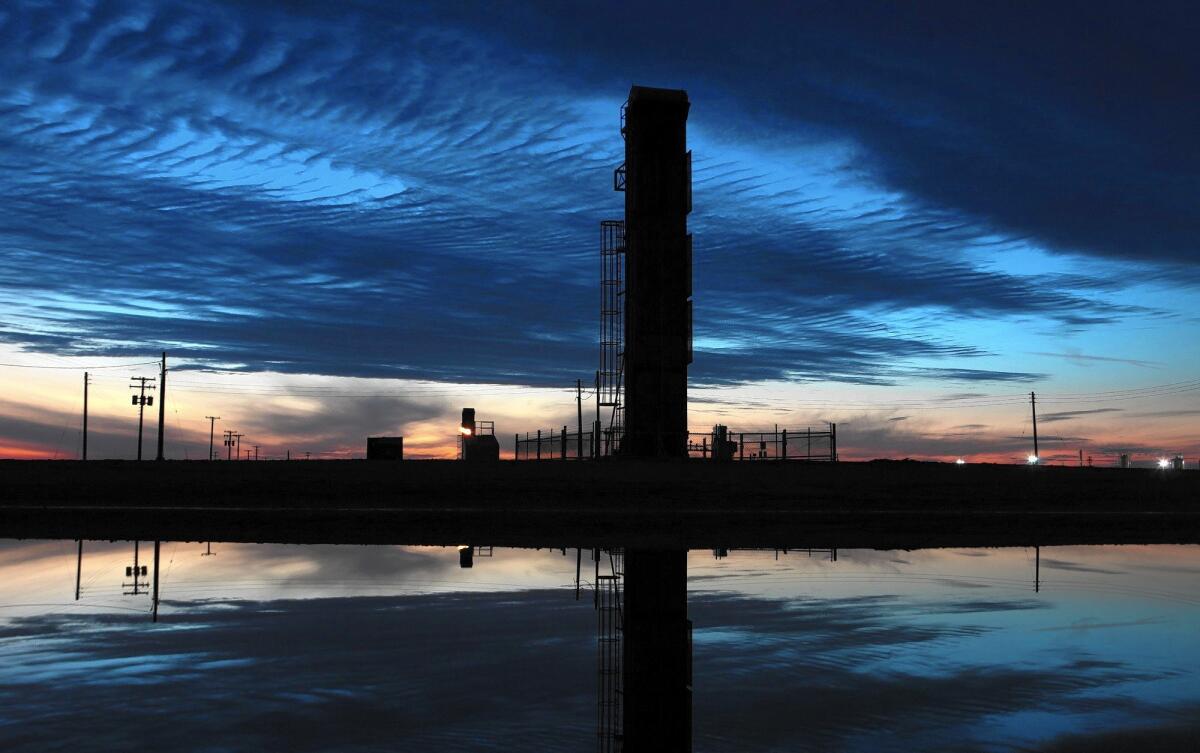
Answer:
(356, 218)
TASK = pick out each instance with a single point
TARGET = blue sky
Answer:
(926, 201)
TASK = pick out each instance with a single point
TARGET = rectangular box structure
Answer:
(385, 448)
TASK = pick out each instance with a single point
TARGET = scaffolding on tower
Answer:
(612, 330)
(611, 637)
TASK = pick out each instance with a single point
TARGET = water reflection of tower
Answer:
(645, 642)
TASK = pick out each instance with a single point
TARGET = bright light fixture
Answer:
(1164, 463)
(960, 461)
(1032, 459)
(464, 431)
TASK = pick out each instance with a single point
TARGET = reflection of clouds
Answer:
(1057, 564)
(492, 671)
(888, 660)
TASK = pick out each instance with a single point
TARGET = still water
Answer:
(357, 648)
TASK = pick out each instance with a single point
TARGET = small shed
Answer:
(385, 448)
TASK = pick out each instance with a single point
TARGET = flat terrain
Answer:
(552, 503)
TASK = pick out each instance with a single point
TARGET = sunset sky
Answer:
(355, 218)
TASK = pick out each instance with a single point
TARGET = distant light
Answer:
(1164, 463)
(960, 461)
(464, 430)
(1032, 460)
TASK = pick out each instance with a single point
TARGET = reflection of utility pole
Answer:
(154, 598)
(134, 571)
(208, 552)
(212, 423)
(141, 400)
(1037, 569)
(79, 567)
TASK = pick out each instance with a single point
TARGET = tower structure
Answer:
(658, 275)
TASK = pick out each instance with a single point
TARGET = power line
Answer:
(77, 368)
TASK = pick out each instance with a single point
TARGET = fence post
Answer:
(784, 457)
(539, 444)
(741, 446)
(833, 442)
(564, 443)
(516, 446)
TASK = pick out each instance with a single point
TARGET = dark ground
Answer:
(552, 503)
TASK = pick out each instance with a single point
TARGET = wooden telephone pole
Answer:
(86, 379)
(141, 400)
(1033, 408)
(162, 404)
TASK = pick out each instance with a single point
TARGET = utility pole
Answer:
(1033, 410)
(162, 407)
(238, 447)
(596, 431)
(85, 417)
(229, 444)
(212, 423)
(256, 452)
(579, 412)
(141, 400)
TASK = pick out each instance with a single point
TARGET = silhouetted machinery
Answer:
(385, 448)
(477, 439)
(724, 448)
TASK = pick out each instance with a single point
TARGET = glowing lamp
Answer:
(1164, 463)
(960, 461)
(1032, 460)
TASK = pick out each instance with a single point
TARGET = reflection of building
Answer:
(657, 682)
(385, 448)
(645, 642)
(477, 439)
